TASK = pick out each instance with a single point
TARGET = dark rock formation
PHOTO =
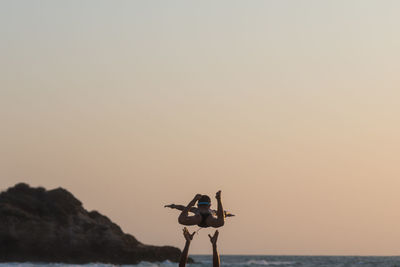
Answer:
(52, 226)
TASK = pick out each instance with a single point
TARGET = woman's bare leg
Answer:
(220, 220)
(184, 217)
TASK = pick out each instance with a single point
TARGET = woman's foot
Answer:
(218, 195)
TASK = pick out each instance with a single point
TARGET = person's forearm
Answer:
(188, 207)
(184, 255)
(215, 257)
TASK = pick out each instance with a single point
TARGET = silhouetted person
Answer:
(203, 215)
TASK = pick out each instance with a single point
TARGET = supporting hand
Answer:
(214, 238)
(188, 236)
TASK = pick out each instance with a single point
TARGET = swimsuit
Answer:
(203, 222)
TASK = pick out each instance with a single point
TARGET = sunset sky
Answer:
(291, 108)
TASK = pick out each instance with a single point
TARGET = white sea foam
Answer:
(257, 263)
(269, 263)
(248, 261)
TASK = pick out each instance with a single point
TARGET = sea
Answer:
(250, 260)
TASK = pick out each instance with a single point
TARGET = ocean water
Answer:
(244, 261)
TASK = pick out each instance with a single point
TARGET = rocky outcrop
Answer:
(52, 226)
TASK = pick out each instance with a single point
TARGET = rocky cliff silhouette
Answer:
(37, 225)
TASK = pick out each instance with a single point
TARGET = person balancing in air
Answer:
(203, 216)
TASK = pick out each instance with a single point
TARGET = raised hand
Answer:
(197, 197)
(184, 256)
(214, 238)
(188, 236)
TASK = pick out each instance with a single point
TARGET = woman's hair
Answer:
(204, 199)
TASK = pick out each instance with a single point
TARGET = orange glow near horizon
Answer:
(290, 108)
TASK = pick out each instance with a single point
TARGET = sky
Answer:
(289, 107)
